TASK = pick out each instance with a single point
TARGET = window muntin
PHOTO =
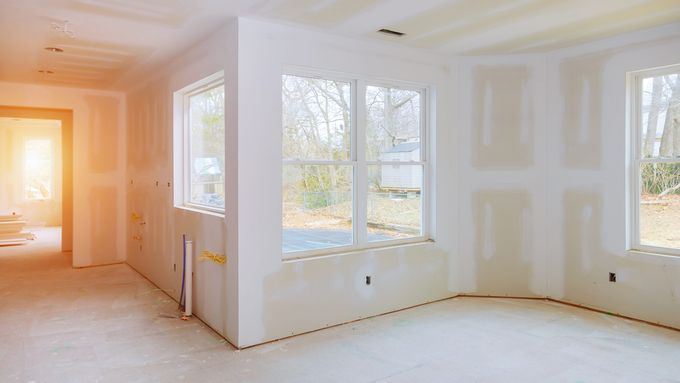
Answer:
(378, 196)
(38, 165)
(655, 193)
(203, 147)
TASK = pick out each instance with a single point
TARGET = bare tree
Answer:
(653, 117)
(670, 139)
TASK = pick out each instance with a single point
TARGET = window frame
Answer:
(359, 163)
(635, 160)
(182, 98)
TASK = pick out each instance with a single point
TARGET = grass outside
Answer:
(397, 218)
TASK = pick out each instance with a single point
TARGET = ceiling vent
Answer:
(391, 32)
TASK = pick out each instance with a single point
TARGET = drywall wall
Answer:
(98, 164)
(13, 137)
(154, 225)
(277, 298)
(586, 180)
(500, 116)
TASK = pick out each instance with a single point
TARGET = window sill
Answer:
(330, 253)
(200, 211)
(651, 253)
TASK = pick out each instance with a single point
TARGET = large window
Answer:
(38, 169)
(655, 166)
(203, 144)
(354, 164)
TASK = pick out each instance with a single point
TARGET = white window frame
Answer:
(183, 162)
(634, 158)
(360, 165)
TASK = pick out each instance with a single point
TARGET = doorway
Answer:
(36, 174)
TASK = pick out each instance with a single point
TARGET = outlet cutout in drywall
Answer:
(368, 280)
(612, 277)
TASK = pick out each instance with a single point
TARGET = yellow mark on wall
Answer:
(137, 237)
(207, 255)
(135, 217)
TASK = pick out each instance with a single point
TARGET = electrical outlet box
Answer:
(368, 280)
(612, 277)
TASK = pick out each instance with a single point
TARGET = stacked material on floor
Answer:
(11, 230)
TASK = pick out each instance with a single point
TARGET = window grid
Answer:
(360, 166)
(635, 89)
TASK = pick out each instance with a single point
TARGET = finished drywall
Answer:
(98, 165)
(155, 227)
(587, 138)
(500, 114)
(277, 298)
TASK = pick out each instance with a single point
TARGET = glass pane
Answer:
(393, 124)
(660, 111)
(394, 202)
(316, 119)
(38, 166)
(317, 207)
(660, 205)
(206, 121)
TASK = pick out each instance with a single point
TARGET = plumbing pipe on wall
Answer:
(188, 277)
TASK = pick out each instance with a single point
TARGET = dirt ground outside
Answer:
(660, 220)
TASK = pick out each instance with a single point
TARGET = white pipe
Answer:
(188, 275)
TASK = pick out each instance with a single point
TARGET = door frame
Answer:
(66, 118)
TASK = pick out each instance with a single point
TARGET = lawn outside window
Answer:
(654, 212)
(354, 164)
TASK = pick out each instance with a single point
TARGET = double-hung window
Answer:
(202, 144)
(354, 164)
(654, 103)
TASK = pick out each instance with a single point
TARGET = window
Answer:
(354, 164)
(38, 169)
(655, 166)
(203, 143)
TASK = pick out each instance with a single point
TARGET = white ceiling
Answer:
(114, 40)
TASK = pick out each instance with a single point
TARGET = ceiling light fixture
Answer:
(391, 32)
(54, 49)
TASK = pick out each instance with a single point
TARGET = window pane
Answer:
(316, 119)
(660, 205)
(206, 122)
(393, 124)
(38, 167)
(660, 112)
(317, 206)
(394, 201)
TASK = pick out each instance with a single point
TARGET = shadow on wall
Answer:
(582, 88)
(503, 122)
(103, 133)
(503, 247)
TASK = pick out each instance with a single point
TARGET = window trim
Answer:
(182, 96)
(359, 163)
(634, 160)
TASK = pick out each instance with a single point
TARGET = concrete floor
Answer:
(109, 324)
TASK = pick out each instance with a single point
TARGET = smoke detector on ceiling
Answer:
(64, 28)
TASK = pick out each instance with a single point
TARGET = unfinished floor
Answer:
(109, 324)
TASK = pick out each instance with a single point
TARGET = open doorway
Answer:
(30, 182)
(36, 193)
